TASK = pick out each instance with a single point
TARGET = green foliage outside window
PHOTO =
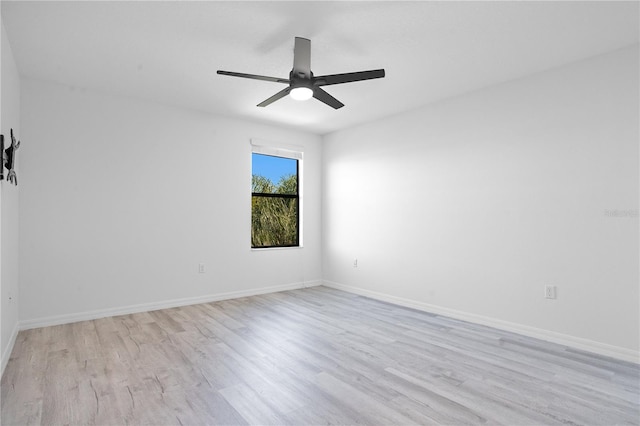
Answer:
(274, 212)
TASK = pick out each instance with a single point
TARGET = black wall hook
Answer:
(9, 159)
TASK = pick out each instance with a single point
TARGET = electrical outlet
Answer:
(550, 291)
(201, 268)
(355, 263)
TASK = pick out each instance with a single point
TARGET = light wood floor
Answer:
(312, 356)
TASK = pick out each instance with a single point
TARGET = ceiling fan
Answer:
(302, 84)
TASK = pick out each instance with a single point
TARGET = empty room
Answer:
(305, 213)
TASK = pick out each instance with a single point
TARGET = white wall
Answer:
(121, 199)
(9, 118)
(470, 206)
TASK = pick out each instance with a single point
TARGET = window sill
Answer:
(275, 248)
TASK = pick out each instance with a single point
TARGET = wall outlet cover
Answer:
(550, 291)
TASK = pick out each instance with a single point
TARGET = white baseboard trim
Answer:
(617, 352)
(6, 354)
(146, 307)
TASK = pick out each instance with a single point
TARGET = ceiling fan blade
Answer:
(302, 57)
(326, 80)
(254, 77)
(281, 94)
(323, 96)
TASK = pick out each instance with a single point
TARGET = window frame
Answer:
(278, 152)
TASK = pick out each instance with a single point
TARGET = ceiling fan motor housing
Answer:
(300, 80)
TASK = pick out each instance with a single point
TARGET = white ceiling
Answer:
(169, 51)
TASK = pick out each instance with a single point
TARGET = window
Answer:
(275, 201)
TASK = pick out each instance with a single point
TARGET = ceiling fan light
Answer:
(301, 93)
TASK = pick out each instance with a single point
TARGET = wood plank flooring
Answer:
(311, 356)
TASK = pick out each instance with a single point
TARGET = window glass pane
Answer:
(274, 175)
(274, 221)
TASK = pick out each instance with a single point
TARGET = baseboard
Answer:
(620, 353)
(146, 307)
(6, 354)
